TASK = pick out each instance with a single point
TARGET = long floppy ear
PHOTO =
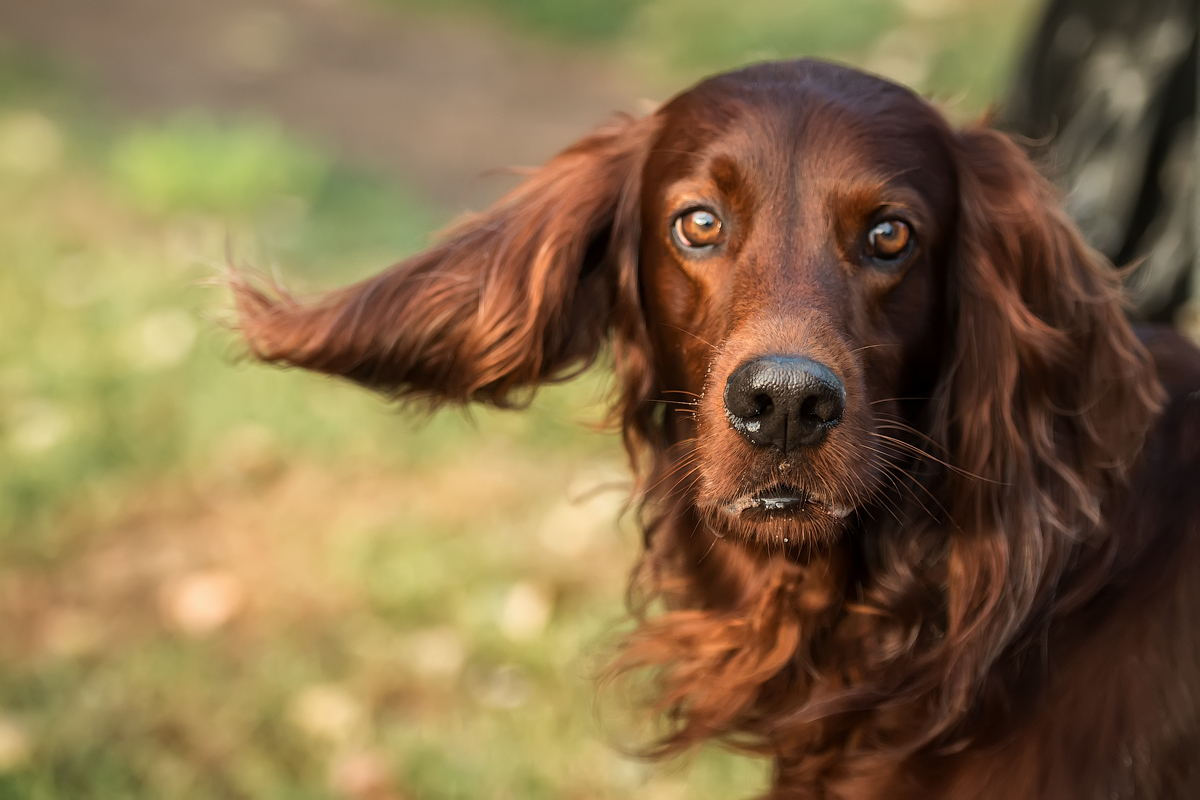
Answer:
(1048, 394)
(1043, 408)
(517, 295)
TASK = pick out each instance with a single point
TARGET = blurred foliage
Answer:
(577, 20)
(109, 360)
(711, 35)
(192, 163)
(956, 50)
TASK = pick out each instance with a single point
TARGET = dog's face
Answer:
(794, 242)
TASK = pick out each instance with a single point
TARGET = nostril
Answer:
(763, 404)
(825, 405)
(809, 407)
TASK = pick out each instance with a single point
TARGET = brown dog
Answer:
(924, 508)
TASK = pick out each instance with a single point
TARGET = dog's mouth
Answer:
(784, 502)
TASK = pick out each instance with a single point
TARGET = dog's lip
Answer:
(784, 500)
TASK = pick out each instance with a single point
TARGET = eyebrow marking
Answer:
(726, 175)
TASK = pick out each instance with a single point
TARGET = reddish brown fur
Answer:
(1012, 606)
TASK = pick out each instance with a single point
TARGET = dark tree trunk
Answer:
(1107, 96)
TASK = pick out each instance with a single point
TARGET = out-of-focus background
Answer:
(221, 580)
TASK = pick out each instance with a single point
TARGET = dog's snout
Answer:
(784, 401)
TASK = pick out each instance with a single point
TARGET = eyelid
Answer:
(886, 211)
(690, 205)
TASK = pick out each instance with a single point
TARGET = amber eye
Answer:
(698, 228)
(889, 240)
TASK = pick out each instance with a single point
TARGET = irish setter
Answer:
(921, 507)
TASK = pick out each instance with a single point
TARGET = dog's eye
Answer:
(889, 240)
(698, 228)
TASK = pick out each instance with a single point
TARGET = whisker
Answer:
(908, 484)
(918, 451)
(698, 338)
(890, 505)
(689, 403)
(894, 474)
(899, 400)
(716, 537)
(891, 421)
(684, 464)
(873, 346)
(688, 473)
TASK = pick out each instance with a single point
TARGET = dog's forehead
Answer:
(772, 114)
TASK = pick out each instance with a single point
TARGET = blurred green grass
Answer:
(223, 580)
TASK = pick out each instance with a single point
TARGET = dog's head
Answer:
(796, 225)
(816, 290)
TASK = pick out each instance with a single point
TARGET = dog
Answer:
(921, 508)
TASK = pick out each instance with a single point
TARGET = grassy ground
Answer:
(219, 580)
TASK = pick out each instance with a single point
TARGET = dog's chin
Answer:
(780, 515)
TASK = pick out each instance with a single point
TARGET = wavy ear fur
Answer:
(520, 294)
(1045, 402)
(1047, 385)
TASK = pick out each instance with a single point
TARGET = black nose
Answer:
(784, 401)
